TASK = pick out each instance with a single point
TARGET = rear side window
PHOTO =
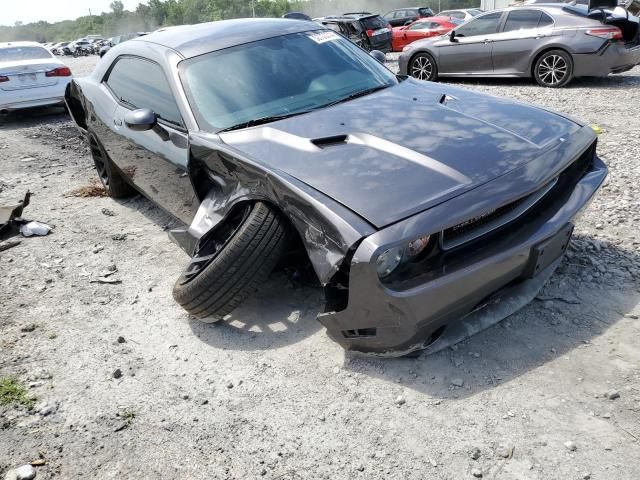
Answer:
(545, 20)
(140, 83)
(374, 23)
(12, 54)
(456, 14)
(522, 20)
(425, 12)
(484, 25)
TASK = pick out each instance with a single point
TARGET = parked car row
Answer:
(395, 29)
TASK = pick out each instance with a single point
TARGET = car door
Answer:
(469, 51)
(155, 161)
(524, 30)
(418, 31)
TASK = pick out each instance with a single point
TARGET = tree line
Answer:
(157, 13)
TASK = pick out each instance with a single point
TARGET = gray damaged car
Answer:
(551, 43)
(427, 212)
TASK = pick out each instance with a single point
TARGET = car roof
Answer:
(19, 44)
(193, 40)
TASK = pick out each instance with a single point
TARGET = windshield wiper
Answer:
(261, 121)
(352, 96)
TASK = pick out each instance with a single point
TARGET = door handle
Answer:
(117, 122)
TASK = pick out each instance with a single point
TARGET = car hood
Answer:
(400, 151)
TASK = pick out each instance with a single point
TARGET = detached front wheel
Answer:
(232, 262)
(423, 67)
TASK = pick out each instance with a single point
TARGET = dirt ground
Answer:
(126, 385)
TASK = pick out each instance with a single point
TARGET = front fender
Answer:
(223, 177)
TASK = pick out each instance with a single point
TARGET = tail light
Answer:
(59, 72)
(608, 33)
(3, 79)
(370, 32)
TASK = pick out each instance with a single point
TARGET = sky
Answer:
(27, 11)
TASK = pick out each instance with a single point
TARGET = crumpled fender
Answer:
(224, 177)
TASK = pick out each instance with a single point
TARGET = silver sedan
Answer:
(552, 43)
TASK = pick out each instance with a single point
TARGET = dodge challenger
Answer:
(427, 212)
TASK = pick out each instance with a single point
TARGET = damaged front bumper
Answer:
(465, 295)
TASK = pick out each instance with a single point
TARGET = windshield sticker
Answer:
(322, 37)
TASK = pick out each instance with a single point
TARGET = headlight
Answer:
(390, 259)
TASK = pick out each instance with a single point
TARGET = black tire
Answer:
(232, 263)
(553, 69)
(111, 179)
(423, 67)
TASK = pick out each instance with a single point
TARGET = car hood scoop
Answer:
(392, 154)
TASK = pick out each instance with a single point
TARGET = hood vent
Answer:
(329, 141)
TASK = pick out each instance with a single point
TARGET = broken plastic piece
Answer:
(34, 228)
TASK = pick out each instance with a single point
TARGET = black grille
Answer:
(482, 225)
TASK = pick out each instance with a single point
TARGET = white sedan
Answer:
(30, 76)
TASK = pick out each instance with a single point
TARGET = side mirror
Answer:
(378, 55)
(452, 36)
(140, 120)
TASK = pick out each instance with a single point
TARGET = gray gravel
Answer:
(267, 394)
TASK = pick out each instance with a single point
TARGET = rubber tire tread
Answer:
(239, 269)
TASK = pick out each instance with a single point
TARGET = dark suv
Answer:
(404, 16)
(371, 32)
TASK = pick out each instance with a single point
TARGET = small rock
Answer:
(117, 373)
(229, 384)
(612, 394)
(121, 339)
(571, 446)
(457, 382)
(586, 476)
(118, 237)
(108, 213)
(25, 472)
(476, 472)
(98, 248)
(475, 453)
(47, 409)
(506, 452)
(400, 400)
(28, 328)
(632, 316)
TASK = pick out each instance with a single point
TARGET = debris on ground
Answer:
(30, 229)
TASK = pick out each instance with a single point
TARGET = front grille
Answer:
(492, 220)
(478, 226)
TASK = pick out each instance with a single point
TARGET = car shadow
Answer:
(625, 81)
(34, 117)
(279, 314)
(570, 312)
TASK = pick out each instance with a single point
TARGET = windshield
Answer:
(374, 23)
(285, 75)
(10, 54)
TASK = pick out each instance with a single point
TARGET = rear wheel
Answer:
(553, 69)
(111, 179)
(423, 67)
(233, 262)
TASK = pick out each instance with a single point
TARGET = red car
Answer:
(422, 28)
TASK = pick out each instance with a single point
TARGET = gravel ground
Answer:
(126, 385)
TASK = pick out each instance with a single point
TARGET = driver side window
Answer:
(140, 83)
(484, 25)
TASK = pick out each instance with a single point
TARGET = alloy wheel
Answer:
(552, 70)
(422, 68)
